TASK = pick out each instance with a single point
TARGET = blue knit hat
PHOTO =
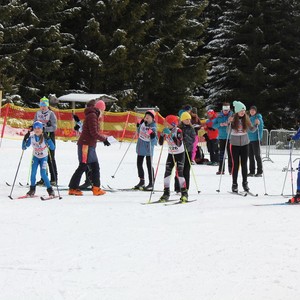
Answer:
(37, 124)
(238, 106)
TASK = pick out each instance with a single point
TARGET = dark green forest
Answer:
(166, 53)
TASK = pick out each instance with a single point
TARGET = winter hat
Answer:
(44, 101)
(210, 112)
(151, 113)
(100, 105)
(194, 110)
(187, 107)
(37, 124)
(238, 106)
(180, 112)
(253, 107)
(185, 116)
(172, 120)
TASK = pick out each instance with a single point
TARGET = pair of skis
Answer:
(43, 198)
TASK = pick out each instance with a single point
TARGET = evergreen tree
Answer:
(13, 43)
(173, 68)
(254, 61)
(42, 73)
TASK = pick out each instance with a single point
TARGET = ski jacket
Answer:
(90, 130)
(253, 136)
(40, 150)
(48, 118)
(189, 134)
(212, 133)
(221, 118)
(239, 137)
(145, 144)
(174, 140)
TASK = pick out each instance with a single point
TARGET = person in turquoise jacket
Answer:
(147, 139)
(221, 123)
(254, 146)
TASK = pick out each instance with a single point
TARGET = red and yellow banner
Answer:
(121, 125)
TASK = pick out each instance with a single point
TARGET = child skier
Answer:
(188, 142)
(173, 135)
(239, 141)
(144, 148)
(40, 142)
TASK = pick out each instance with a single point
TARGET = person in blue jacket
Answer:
(147, 139)
(40, 142)
(254, 146)
(221, 123)
(296, 198)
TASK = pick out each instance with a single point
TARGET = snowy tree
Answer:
(42, 73)
(254, 61)
(13, 43)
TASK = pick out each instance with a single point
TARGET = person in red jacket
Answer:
(87, 151)
(212, 138)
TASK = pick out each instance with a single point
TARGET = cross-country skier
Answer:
(173, 135)
(239, 141)
(147, 139)
(40, 142)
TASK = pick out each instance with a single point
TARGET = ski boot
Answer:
(295, 199)
(251, 175)
(149, 187)
(234, 188)
(258, 175)
(40, 183)
(140, 185)
(97, 191)
(31, 191)
(245, 186)
(184, 195)
(166, 195)
(50, 192)
(75, 192)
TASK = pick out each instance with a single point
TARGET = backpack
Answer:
(199, 158)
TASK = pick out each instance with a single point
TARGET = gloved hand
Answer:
(46, 136)
(151, 133)
(138, 124)
(76, 118)
(49, 123)
(106, 143)
(76, 127)
(26, 136)
(166, 131)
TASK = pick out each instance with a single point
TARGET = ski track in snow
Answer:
(111, 247)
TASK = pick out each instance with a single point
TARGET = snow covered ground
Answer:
(112, 247)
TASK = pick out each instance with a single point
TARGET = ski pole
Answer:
(287, 169)
(53, 172)
(113, 176)
(262, 164)
(224, 158)
(156, 171)
(194, 177)
(12, 188)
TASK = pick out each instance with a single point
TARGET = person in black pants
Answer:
(189, 134)
(254, 146)
(239, 141)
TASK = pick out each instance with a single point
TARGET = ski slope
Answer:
(111, 247)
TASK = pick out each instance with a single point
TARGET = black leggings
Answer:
(179, 159)
(239, 155)
(141, 174)
(186, 173)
